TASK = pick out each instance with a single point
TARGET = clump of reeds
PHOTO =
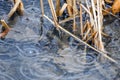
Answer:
(91, 30)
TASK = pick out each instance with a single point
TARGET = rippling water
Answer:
(25, 55)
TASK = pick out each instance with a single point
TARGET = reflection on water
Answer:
(34, 63)
(5, 77)
(76, 61)
(39, 69)
(24, 55)
(7, 52)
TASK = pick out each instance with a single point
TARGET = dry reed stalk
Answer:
(42, 7)
(106, 11)
(109, 1)
(4, 24)
(62, 9)
(78, 39)
(111, 14)
(81, 21)
(85, 26)
(87, 31)
(95, 40)
(91, 16)
(94, 14)
(92, 36)
(14, 8)
(68, 19)
(104, 34)
(7, 29)
(100, 24)
(18, 6)
(96, 22)
(74, 21)
(20, 9)
(57, 7)
(53, 12)
(69, 8)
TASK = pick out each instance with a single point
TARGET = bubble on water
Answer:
(38, 69)
(29, 50)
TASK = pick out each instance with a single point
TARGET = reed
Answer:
(18, 7)
(6, 27)
(89, 30)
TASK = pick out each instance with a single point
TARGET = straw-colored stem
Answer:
(100, 19)
(53, 12)
(62, 9)
(14, 8)
(68, 19)
(74, 21)
(7, 29)
(57, 7)
(94, 14)
(69, 8)
(42, 6)
(81, 21)
(91, 17)
(88, 31)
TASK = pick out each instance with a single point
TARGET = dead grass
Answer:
(90, 30)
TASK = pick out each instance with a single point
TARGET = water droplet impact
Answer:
(29, 50)
(38, 69)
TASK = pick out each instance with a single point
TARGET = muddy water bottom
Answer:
(30, 52)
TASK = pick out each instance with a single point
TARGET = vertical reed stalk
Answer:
(53, 12)
(42, 6)
(57, 7)
(81, 21)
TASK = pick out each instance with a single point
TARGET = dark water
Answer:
(30, 52)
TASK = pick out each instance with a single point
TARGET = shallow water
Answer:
(30, 52)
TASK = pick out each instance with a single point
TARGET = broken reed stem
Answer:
(78, 39)
(94, 14)
(100, 24)
(62, 9)
(81, 21)
(68, 19)
(20, 9)
(53, 12)
(74, 21)
(42, 6)
(57, 7)
(88, 31)
(69, 8)
(111, 14)
(14, 8)
(91, 17)
(7, 29)
(4, 24)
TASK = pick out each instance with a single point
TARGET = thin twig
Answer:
(42, 7)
